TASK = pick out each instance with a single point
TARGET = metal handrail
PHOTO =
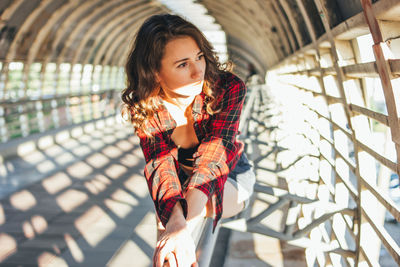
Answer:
(205, 241)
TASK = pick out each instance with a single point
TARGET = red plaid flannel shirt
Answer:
(216, 156)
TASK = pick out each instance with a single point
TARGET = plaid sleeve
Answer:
(218, 151)
(160, 173)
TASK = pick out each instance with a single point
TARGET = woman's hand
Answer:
(176, 244)
(177, 247)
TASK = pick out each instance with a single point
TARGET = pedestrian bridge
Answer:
(320, 124)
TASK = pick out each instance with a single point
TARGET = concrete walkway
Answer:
(79, 202)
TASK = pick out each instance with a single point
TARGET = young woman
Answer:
(185, 108)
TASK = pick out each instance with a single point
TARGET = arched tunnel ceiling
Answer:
(264, 32)
(261, 32)
(96, 32)
(267, 31)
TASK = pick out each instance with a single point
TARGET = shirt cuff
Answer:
(165, 211)
(207, 188)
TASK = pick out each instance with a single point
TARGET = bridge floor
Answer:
(82, 201)
(79, 202)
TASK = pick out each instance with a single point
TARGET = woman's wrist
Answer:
(177, 219)
(197, 202)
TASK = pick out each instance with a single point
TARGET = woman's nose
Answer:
(196, 71)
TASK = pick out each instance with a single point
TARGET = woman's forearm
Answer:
(197, 209)
(196, 201)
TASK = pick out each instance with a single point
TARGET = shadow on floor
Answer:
(82, 203)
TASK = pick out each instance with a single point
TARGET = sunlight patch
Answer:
(123, 196)
(125, 145)
(146, 229)
(119, 209)
(97, 160)
(8, 246)
(137, 184)
(2, 215)
(115, 171)
(45, 166)
(23, 200)
(73, 247)
(39, 223)
(95, 225)
(34, 157)
(27, 228)
(71, 199)
(56, 182)
(80, 170)
(49, 259)
(130, 160)
(112, 152)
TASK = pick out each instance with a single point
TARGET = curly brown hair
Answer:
(140, 97)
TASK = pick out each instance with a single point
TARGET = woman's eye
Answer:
(182, 65)
(200, 57)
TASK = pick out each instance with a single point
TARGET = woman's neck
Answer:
(180, 102)
(184, 103)
(179, 109)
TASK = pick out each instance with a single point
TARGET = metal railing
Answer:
(28, 116)
(356, 141)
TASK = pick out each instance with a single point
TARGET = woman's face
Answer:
(182, 68)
